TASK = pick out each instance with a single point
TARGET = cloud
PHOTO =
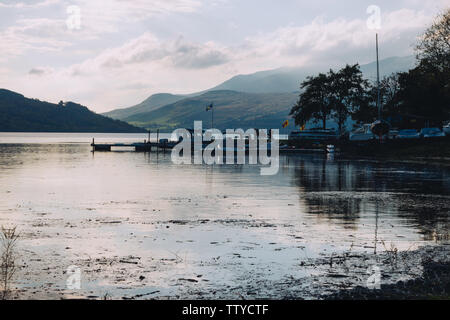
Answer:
(148, 49)
(22, 5)
(339, 37)
(195, 56)
(97, 18)
(40, 71)
(110, 15)
(39, 35)
(133, 67)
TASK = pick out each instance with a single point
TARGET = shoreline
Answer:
(432, 283)
(422, 273)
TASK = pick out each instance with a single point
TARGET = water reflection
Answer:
(347, 190)
(74, 207)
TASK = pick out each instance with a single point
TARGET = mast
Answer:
(378, 82)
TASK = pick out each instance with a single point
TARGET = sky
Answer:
(107, 54)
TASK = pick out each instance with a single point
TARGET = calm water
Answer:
(74, 206)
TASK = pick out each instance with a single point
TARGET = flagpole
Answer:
(378, 83)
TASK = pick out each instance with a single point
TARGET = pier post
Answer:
(157, 140)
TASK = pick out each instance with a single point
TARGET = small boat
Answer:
(314, 135)
(431, 133)
(330, 148)
(364, 133)
(380, 128)
(447, 129)
(408, 134)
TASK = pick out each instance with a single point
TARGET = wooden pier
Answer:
(137, 146)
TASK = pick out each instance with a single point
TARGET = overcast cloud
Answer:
(123, 51)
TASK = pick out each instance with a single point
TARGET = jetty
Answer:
(146, 146)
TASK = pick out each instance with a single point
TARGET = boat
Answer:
(330, 148)
(378, 129)
(364, 133)
(446, 129)
(408, 134)
(431, 133)
(314, 135)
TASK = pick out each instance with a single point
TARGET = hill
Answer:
(283, 80)
(289, 79)
(151, 103)
(20, 114)
(232, 109)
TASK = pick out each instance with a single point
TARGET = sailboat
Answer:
(378, 128)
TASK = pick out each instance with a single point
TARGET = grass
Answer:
(8, 239)
(392, 253)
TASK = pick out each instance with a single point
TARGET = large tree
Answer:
(348, 88)
(434, 46)
(315, 101)
(425, 90)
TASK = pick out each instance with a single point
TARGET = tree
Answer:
(315, 101)
(434, 46)
(367, 112)
(348, 91)
(389, 89)
(425, 90)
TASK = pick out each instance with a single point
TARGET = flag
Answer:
(209, 107)
(285, 124)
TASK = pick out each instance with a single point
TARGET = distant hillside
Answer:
(278, 80)
(388, 66)
(283, 80)
(20, 114)
(152, 103)
(289, 79)
(232, 109)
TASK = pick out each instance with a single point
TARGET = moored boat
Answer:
(431, 133)
(446, 129)
(364, 133)
(314, 135)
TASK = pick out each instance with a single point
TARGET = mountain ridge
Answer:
(281, 80)
(21, 114)
(232, 109)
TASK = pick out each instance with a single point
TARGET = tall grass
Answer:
(8, 241)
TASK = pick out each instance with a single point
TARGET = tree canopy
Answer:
(315, 102)
(422, 92)
(332, 95)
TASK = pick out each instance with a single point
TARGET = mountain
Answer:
(278, 80)
(289, 79)
(20, 114)
(388, 66)
(283, 80)
(232, 109)
(152, 103)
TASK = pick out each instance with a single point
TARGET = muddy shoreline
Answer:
(433, 282)
(423, 273)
